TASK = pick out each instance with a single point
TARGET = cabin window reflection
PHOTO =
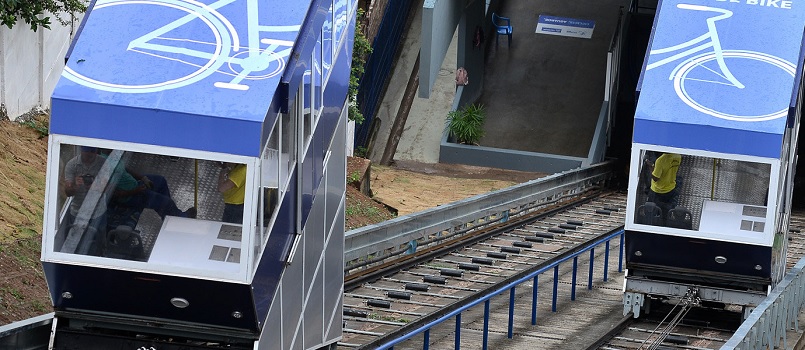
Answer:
(699, 193)
(288, 145)
(159, 209)
(269, 191)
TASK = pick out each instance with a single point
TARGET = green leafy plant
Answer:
(40, 124)
(360, 51)
(33, 11)
(354, 177)
(361, 151)
(466, 125)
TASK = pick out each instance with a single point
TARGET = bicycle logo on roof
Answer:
(162, 53)
(724, 82)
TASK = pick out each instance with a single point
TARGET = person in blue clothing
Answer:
(147, 191)
(132, 189)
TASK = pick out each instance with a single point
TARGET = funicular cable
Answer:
(685, 304)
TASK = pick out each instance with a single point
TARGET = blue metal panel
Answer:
(308, 176)
(125, 123)
(272, 261)
(186, 70)
(719, 76)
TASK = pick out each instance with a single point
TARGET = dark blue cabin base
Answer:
(693, 260)
(97, 333)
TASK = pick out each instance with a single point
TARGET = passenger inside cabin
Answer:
(232, 185)
(132, 189)
(663, 191)
(79, 174)
(147, 191)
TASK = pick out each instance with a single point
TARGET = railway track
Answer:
(703, 327)
(379, 304)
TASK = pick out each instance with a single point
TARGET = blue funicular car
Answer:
(713, 153)
(170, 118)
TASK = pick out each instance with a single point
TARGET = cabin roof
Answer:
(194, 74)
(687, 99)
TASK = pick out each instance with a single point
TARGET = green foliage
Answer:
(33, 12)
(365, 210)
(388, 318)
(354, 177)
(40, 124)
(360, 51)
(466, 125)
(361, 152)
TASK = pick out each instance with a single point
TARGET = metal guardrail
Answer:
(30, 334)
(511, 288)
(766, 326)
(391, 234)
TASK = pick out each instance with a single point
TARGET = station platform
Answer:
(543, 94)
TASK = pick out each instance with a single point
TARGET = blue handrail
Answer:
(510, 286)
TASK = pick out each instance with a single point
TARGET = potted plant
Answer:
(466, 125)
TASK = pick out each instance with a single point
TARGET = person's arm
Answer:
(224, 183)
(140, 177)
(125, 193)
(71, 181)
(656, 172)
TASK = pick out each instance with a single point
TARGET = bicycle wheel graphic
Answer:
(158, 58)
(700, 84)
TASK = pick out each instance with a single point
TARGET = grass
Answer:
(40, 124)
(389, 318)
(401, 179)
(364, 210)
(354, 176)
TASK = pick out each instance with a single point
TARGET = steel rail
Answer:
(391, 234)
(376, 272)
(424, 324)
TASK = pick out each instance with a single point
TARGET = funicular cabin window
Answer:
(309, 107)
(340, 10)
(168, 212)
(327, 46)
(288, 145)
(269, 190)
(697, 193)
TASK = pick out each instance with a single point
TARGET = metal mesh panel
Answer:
(181, 176)
(705, 178)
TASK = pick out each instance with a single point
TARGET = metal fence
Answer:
(473, 212)
(767, 325)
(511, 288)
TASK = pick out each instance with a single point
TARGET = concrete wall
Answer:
(30, 65)
(440, 18)
(471, 57)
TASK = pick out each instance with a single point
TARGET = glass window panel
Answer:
(288, 143)
(316, 86)
(327, 44)
(339, 20)
(175, 214)
(699, 193)
(269, 194)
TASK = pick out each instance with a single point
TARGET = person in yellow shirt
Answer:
(232, 185)
(663, 181)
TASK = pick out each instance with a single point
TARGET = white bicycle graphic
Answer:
(177, 56)
(709, 71)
